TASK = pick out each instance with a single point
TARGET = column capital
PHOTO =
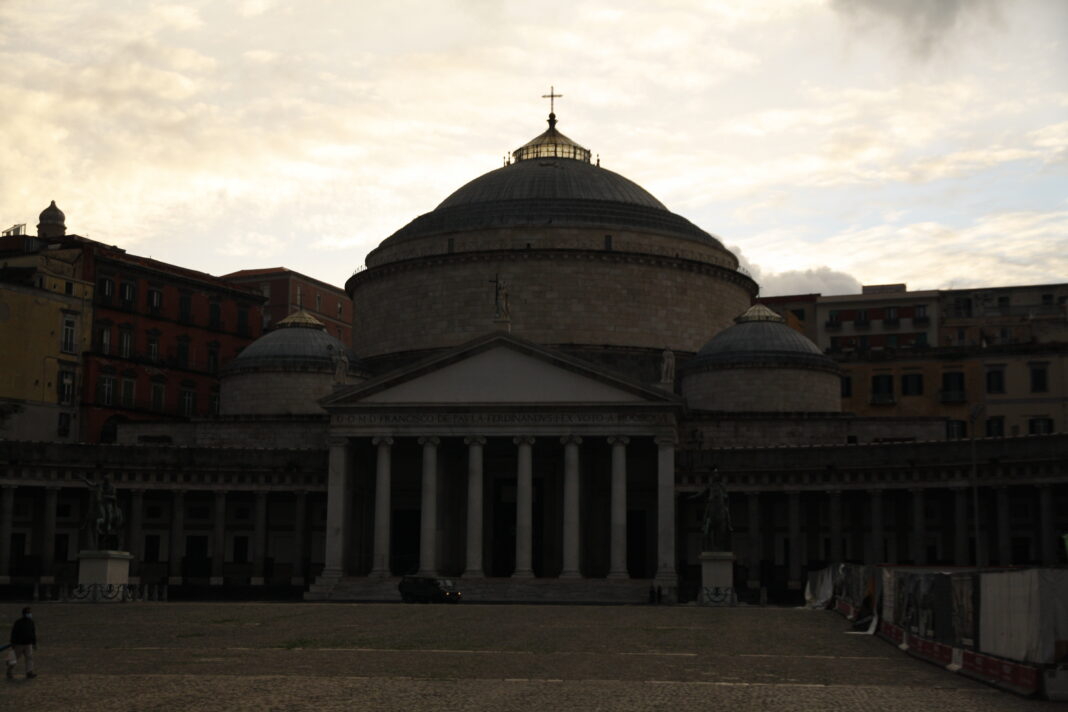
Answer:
(523, 440)
(336, 441)
(665, 440)
(571, 440)
(876, 491)
(618, 440)
(136, 490)
(8, 487)
(433, 440)
(261, 495)
(382, 440)
(53, 488)
(475, 440)
(219, 494)
(835, 492)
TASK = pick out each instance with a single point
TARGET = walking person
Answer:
(23, 641)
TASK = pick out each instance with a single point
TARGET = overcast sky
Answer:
(829, 143)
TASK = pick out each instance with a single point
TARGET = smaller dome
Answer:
(52, 216)
(759, 336)
(299, 342)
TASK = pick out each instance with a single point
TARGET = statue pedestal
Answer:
(104, 568)
(717, 579)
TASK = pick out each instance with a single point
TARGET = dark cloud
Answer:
(923, 24)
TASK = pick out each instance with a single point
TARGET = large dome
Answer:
(761, 335)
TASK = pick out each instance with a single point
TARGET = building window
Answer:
(128, 293)
(861, 318)
(185, 308)
(882, 388)
(1042, 425)
(125, 343)
(1003, 305)
(151, 553)
(182, 355)
(189, 401)
(159, 393)
(339, 308)
(956, 429)
(912, 384)
(953, 387)
(68, 288)
(63, 426)
(106, 393)
(67, 343)
(1039, 378)
(155, 300)
(242, 321)
(105, 340)
(240, 550)
(995, 426)
(213, 358)
(921, 339)
(891, 341)
(847, 386)
(106, 289)
(66, 387)
(1047, 300)
(214, 402)
(995, 380)
(300, 296)
(127, 394)
(153, 348)
(318, 302)
(215, 315)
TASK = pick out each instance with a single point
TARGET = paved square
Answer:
(277, 656)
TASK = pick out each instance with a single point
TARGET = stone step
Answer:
(495, 590)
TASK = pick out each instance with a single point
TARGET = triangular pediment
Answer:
(499, 370)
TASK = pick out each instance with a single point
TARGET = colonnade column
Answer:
(572, 543)
(919, 534)
(666, 574)
(7, 514)
(1047, 549)
(48, 535)
(383, 504)
(176, 545)
(337, 494)
(618, 528)
(218, 545)
(473, 562)
(135, 543)
(1004, 527)
(793, 516)
(300, 514)
(524, 508)
(259, 562)
(835, 503)
(428, 522)
(875, 552)
(756, 540)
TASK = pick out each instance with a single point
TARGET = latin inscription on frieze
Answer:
(500, 419)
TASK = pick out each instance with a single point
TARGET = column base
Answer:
(523, 574)
(380, 573)
(617, 575)
(570, 575)
(426, 574)
(474, 573)
(215, 581)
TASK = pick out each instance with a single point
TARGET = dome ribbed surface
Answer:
(52, 215)
(296, 344)
(761, 340)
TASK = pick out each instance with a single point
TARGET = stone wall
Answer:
(555, 297)
(703, 431)
(763, 390)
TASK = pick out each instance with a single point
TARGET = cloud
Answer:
(821, 280)
(924, 25)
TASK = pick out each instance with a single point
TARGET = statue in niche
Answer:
(341, 367)
(503, 309)
(667, 366)
(104, 519)
(716, 525)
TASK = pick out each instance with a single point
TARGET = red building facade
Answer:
(287, 291)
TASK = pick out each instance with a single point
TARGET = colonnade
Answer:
(340, 480)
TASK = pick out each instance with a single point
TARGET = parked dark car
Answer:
(427, 589)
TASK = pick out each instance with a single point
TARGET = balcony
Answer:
(921, 320)
(891, 322)
(832, 325)
(882, 399)
(861, 323)
(952, 396)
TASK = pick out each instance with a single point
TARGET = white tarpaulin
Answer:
(819, 589)
(1023, 613)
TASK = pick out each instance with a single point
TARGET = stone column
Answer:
(919, 534)
(428, 522)
(218, 544)
(572, 526)
(793, 515)
(48, 535)
(337, 494)
(259, 562)
(135, 541)
(960, 527)
(176, 546)
(524, 509)
(834, 502)
(7, 514)
(1049, 538)
(618, 527)
(473, 563)
(300, 519)
(1004, 526)
(383, 506)
(756, 540)
(666, 575)
(875, 551)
